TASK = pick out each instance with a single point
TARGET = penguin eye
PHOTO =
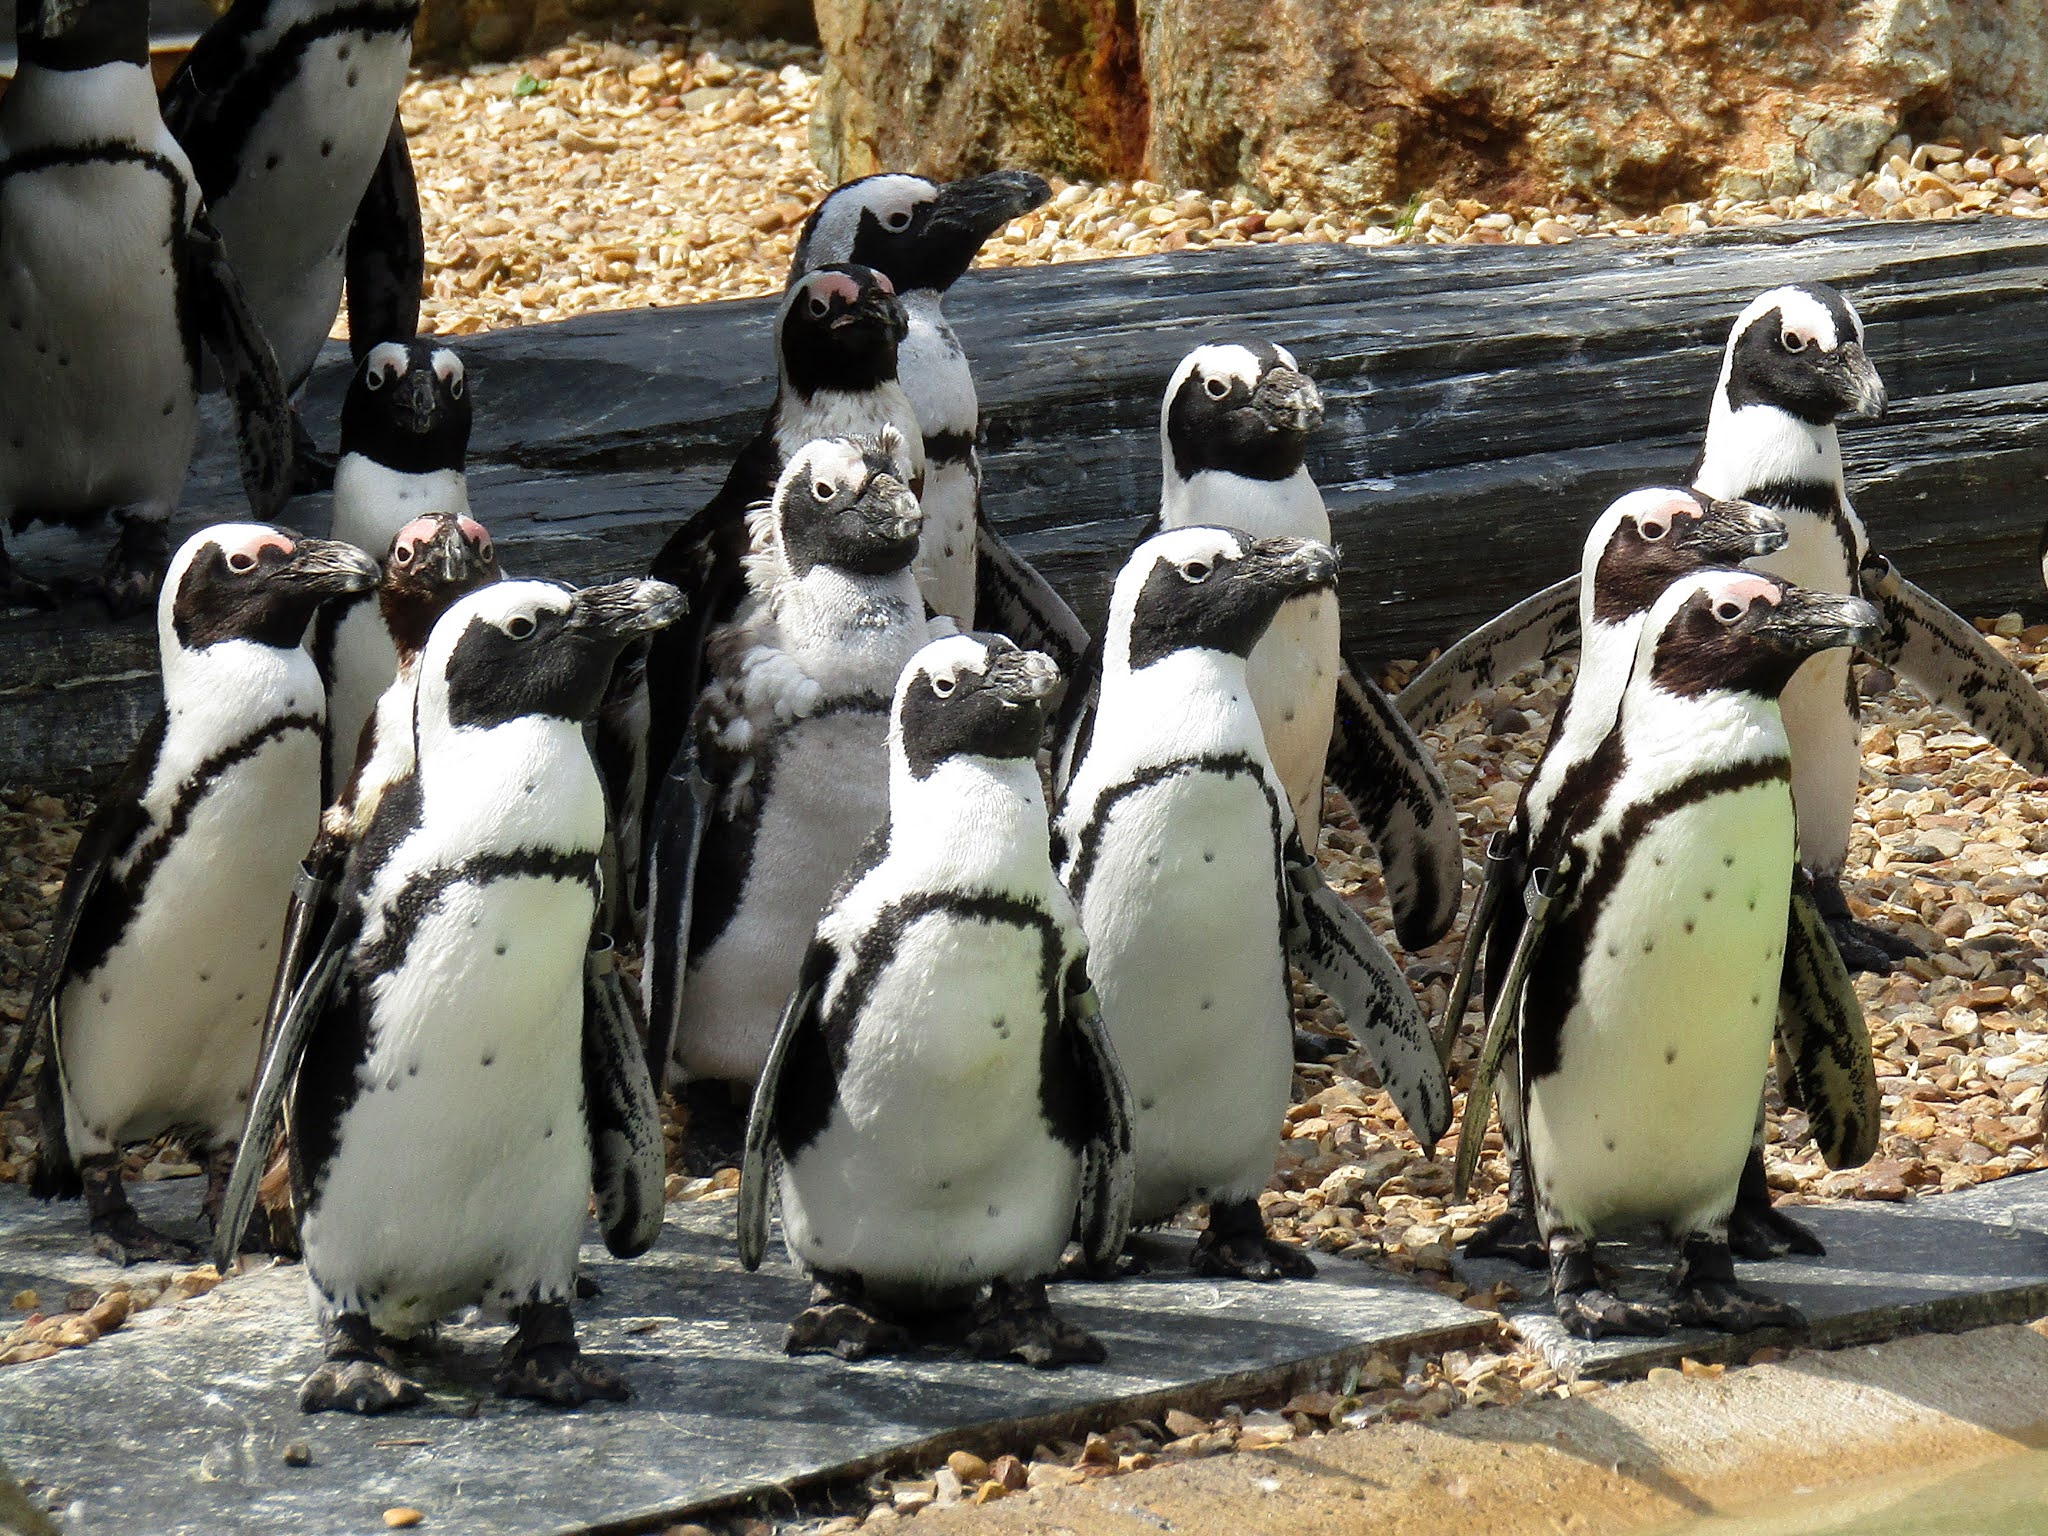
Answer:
(374, 379)
(1195, 572)
(943, 687)
(1217, 388)
(519, 627)
(1792, 341)
(822, 490)
(817, 307)
(1728, 610)
(402, 555)
(241, 562)
(455, 387)
(897, 221)
(488, 552)
(1653, 529)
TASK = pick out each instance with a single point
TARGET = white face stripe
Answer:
(946, 658)
(889, 198)
(498, 604)
(447, 366)
(831, 460)
(1656, 503)
(391, 359)
(1177, 545)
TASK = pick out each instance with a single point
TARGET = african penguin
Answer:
(923, 236)
(111, 279)
(1652, 987)
(784, 774)
(1794, 363)
(160, 960)
(289, 112)
(404, 436)
(433, 561)
(944, 1104)
(1176, 841)
(444, 1125)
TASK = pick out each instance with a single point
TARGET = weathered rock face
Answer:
(1354, 104)
(499, 29)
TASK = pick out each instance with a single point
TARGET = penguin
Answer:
(836, 340)
(1176, 841)
(112, 279)
(458, 1089)
(941, 1097)
(160, 957)
(1639, 1005)
(404, 437)
(784, 774)
(289, 112)
(1234, 429)
(923, 236)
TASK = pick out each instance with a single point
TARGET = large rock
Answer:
(502, 29)
(1356, 104)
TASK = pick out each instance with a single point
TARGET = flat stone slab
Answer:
(1943, 1263)
(178, 1423)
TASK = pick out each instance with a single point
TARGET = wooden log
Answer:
(1483, 404)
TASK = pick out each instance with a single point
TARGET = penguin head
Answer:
(407, 408)
(433, 560)
(1211, 589)
(82, 34)
(1800, 349)
(970, 695)
(1239, 410)
(517, 648)
(250, 581)
(1741, 631)
(919, 234)
(1649, 538)
(839, 329)
(843, 502)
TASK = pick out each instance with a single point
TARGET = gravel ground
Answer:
(663, 168)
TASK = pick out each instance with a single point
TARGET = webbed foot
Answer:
(1863, 946)
(1589, 1309)
(542, 1361)
(117, 1232)
(1705, 1294)
(715, 1130)
(1759, 1230)
(360, 1373)
(1016, 1322)
(1512, 1235)
(839, 1321)
(19, 591)
(1313, 1049)
(1237, 1247)
(134, 568)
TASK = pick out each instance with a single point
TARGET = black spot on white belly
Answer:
(205, 976)
(488, 1058)
(993, 1211)
(1708, 893)
(1688, 925)
(1207, 1003)
(945, 1183)
(326, 148)
(1610, 1143)
(1670, 1054)
(1727, 861)
(500, 949)
(351, 79)
(1649, 945)
(270, 162)
(1147, 1102)
(1208, 855)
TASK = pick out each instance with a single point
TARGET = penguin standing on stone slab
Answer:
(160, 958)
(1642, 543)
(1637, 1011)
(784, 774)
(460, 1079)
(923, 236)
(1176, 840)
(1233, 434)
(289, 112)
(404, 436)
(111, 281)
(941, 1095)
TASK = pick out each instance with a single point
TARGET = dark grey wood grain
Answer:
(1483, 404)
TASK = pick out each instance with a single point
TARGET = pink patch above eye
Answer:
(1746, 590)
(254, 546)
(839, 286)
(475, 532)
(418, 531)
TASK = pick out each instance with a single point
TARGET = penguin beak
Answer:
(1731, 531)
(889, 512)
(620, 610)
(1856, 385)
(1805, 623)
(977, 207)
(414, 406)
(328, 568)
(1023, 677)
(1289, 566)
(877, 306)
(1288, 401)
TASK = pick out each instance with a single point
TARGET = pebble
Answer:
(402, 1518)
(298, 1454)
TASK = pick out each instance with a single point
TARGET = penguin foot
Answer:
(1237, 1247)
(839, 1321)
(1867, 948)
(1595, 1313)
(312, 469)
(358, 1386)
(1765, 1232)
(1074, 1265)
(1732, 1308)
(714, 1130)
(19, 591)
(1312, 1049)
(542, 1361)
(1017, 1322)
(588, 1286)
(120, 1236)
(1512, 1235)
(135, 567)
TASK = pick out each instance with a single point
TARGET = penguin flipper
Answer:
(799, 1015)
(294, 1028)
(1534, 628)
(1011, 598)
(1823, 1042)
(1403, 805)
(1942, 653)
(1336, 950)
(682, 806)
(111, 828)
(263, 421)
(621, 1111)
(1109, 1171)
(387, 252)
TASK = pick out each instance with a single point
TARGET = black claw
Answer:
(1074, 1265)
(1511, 1235)
(1016, 1322)
(1237, 1247)
(1595, 1313)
